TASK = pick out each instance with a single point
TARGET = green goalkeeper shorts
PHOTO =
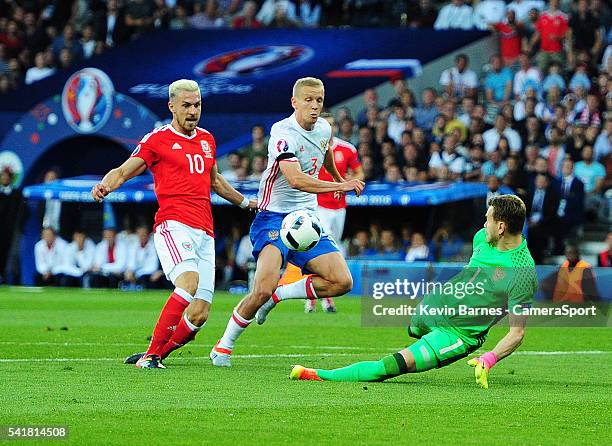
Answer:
(437, 348)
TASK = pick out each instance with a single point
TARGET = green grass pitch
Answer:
(61, 355)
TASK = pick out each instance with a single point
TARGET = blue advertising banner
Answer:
(140, 189)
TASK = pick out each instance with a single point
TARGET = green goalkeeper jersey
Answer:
(493, 283)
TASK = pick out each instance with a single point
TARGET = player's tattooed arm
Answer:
(227, 191)
(134, 166)
(299, 180)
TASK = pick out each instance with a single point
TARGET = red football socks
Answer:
(169, 319)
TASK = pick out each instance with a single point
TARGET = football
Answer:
(300, 231)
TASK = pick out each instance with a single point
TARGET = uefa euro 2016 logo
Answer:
(254, 61)
(87, 100)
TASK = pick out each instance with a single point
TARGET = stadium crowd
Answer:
(537, 118)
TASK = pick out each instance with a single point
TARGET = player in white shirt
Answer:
(110, 261)
(296, 151)
(143, 265)
(48, 253)
(77, 260)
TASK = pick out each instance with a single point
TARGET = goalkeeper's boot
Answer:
(262, 313)
(220, 356)
(150, 362)
(310, 306)
(133, 359)
(299, 372)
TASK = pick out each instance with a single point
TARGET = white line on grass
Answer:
(526, 353)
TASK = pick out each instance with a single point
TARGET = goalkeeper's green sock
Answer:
(387, 367)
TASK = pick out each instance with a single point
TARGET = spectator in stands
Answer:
(516, 178)
(590, 115)
(77, 260)
(10, 198)
(555, 152)
(426, 112)
(396, 122)
(526, 77)
(393, 174)
(142, 262)
(603, 143)
(542, 204)
(592, 173)
(139, 16)
(473, 167)
(510, 35)
(110, 24)
(11, 39)
(412, 159)
(531, 157)
(309, 13)
(347, 133)
(68, 40)
(455, 15)
(552, 30)
(424, 15)
(235, 162)
(495, 165)
(206, 17)
(575, 281)
(498, 83)
(246, 18)
(258, 145)
(493, 189)
(87, 41)
(39, 71)
(459, 81)
(360, 245)
(448, 158)
(604, 259)
(586, 30)
(418, 251)
(65, 59)
(492, 136)
(48, 255)
(571, 205)
(522, 7)
(488, 13)
(181, 21)
(445, 244)
(389, 248)
(269, 9)
(110, 261)
(449, 110)
(370, 98)
(258, 166)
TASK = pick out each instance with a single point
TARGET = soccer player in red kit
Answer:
(181, 157)
(332, 206)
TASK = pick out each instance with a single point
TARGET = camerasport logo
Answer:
(254, 61)
(87, 100)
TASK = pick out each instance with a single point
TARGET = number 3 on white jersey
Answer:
(197, 163)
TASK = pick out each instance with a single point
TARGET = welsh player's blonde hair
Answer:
(182, 85)
(307, 82)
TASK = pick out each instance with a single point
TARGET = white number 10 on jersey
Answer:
(196, 163)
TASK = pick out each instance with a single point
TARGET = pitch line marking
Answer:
(290, 355)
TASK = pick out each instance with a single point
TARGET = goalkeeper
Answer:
(502, 273)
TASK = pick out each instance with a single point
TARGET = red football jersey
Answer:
(552, 27)
(345, 156)
(181, 168)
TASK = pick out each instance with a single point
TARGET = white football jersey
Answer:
(290, 142)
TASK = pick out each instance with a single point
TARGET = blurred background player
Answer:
(110, 260)
(48, 253)
(503, 267)
(143, 266)
(297, 150)
(332, 205)
(78, 260)
(181, 157)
